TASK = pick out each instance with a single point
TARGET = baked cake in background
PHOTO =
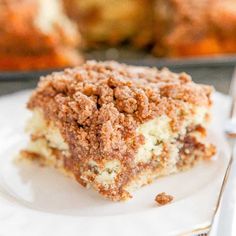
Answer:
(117, 127)
(195, 27)
(111, 22)
(36, 35)
(173, 28)
(43, 34)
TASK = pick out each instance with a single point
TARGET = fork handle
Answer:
(233, 109)
(223, 220)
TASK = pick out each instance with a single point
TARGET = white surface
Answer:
(41, 201)
(224, 222)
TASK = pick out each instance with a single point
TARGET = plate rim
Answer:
(203, 227)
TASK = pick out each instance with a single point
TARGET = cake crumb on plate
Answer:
(163, 198)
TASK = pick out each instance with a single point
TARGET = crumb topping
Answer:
(99, 105)
(141, 91)
(163, 198)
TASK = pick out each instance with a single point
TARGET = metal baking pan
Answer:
(132, 57)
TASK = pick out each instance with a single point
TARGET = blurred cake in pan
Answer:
(195, 27)
(36, 35)
(43, 34)
(111, 22)
(116, 127)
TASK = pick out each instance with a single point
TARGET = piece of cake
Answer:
(117, 127)
(195, 27)
(111, 22)
(36, 35)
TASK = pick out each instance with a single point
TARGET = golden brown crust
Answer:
(54, 60)
(113, 22)
(175, 27)
(195, 27)
(25, 45)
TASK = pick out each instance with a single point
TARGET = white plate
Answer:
(41, 201)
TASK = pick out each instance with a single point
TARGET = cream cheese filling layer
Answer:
(158, 131)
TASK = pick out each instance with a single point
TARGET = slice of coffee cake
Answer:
(116, 127)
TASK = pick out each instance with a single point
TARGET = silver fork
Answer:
(221, 225)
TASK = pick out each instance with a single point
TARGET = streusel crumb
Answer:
(163, 198)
